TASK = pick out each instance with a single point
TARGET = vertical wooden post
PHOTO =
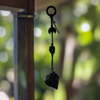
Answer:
(30, 66)
(15, 58)
(23, 55)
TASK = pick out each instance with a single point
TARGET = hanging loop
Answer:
(48, 13)
(52, 29)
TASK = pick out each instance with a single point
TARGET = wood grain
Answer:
(23, 57)
(30, 59)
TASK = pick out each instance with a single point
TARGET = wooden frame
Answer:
(23, 46)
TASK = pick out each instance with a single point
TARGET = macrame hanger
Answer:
(52, 79)
(51, 31)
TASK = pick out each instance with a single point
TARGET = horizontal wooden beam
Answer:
(12, 9)
(19, 5)
(43, 4)
(15, 5)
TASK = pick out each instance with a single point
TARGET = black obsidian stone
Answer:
(52, 80)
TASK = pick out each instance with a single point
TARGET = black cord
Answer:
(52, 52)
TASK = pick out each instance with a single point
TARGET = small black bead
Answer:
(52, 49)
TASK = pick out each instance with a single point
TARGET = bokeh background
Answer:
(77, 56)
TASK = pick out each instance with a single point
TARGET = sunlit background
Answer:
(77, 56)
(6, 56)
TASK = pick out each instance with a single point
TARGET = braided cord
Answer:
(52, 53)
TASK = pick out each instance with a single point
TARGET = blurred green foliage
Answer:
(6, 53)
(84, 18)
